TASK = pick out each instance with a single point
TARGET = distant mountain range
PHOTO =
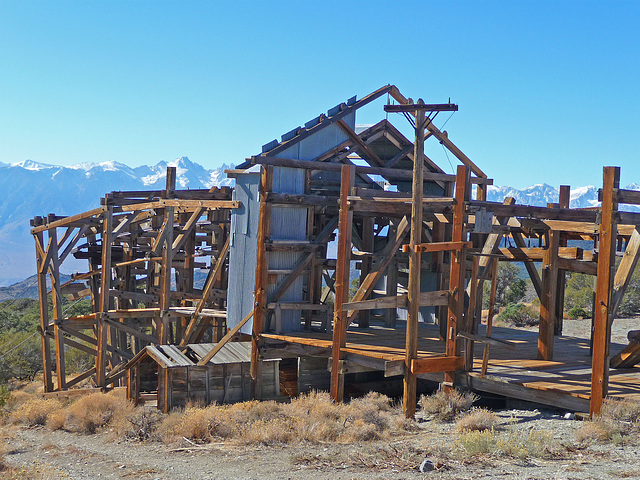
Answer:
(28, 189)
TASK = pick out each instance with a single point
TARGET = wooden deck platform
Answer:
(564, 382)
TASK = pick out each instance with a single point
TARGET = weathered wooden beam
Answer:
(413, 290)
(457, 270)
(607, 237)
(366, 149)
(548, 299)
(625, 270)
(436, 364)
(223, 341)
(431, 299)
(343, 264)
(105, 286)
(44, 313)
(361, 170)
(262, 279)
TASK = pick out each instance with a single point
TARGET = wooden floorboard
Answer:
(569, 373)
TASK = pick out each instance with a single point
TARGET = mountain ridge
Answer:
(31, 188)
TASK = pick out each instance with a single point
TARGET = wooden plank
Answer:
(542, 213)
(83, 376)
(625, 270)
(56, 299)
(436, 364)
(66, 221)
(413, 289)
(390, 173)
(262, 279)
(105, 285)
(549, 297)
(457, 269)
(536, 254)
(531, 268)
(223, 341)
(628, 357)
(469, 327)
(165, 332)
(438, 247)
(369, 154)
(578, 266)
(607, 236)
(343, 264)
(44, 313)
(366, 264)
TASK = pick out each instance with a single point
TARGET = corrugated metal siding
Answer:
(287, 223)
(242, 251)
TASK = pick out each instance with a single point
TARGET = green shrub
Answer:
(578, 312)
(518, 314)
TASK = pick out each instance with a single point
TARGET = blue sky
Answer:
(548, 91)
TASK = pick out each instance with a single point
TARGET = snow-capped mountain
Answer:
(31, 188)
(540, 195)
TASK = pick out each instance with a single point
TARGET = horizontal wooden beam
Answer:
(438, 246)
(382, 171)
(528, 211)
(427, 299)
(426, 107)
(436, 364)
(578, 266)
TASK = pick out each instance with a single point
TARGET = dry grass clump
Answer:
(445, 406)
(312, 417)
(34, 411)
(618, 421)
(512, 444)
(478, 419)
(94, 411)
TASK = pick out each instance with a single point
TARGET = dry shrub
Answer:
(618, 421)
(478, 419)
(312, 417)
(94, 411)
(513, 444)
(592, 431)
(445, 406)
(34, 411)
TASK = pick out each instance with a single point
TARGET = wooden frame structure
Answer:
(422, 241)
(144, 252)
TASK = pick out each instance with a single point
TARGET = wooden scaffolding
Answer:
(327, 198)
(145, 250)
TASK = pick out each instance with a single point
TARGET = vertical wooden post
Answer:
(492, 306)
(565, 196)
(443, 311)
(413, 293)
(548, 298)
(471, 313)
(44, 311)
(105, 285)
(367, 246)
(56, 299)
(262, 274)
(164, 325)
(458, 269)
(606, 263)
(391, 314)
(343, 264)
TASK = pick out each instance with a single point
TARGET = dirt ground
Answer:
(60, 455)
(63, 455)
